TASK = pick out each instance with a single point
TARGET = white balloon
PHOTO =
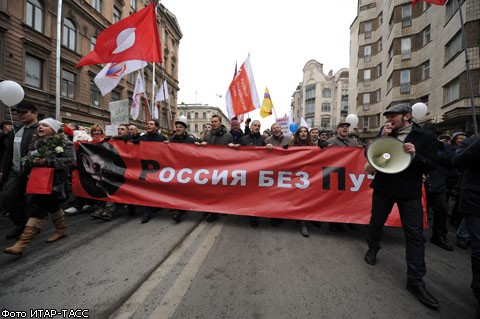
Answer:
(419, 110)
(352, 119)
(11, 93)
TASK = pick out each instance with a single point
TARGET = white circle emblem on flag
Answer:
(125, 40)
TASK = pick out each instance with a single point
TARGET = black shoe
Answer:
(15, 233)
(462, 242)
(253, 223)
(176, 217)
(441, 241)
(423, 295)
(211, 217)
(275, 221)
(371, 255)
(304, 229)
(146, 218)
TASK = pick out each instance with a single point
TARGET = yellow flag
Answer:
(267, 105)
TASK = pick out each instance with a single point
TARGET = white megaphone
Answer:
(386, 155)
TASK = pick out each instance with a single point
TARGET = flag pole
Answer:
(467, 62)
(57, 62)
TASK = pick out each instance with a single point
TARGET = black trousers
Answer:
(14, 199)
(411, 216)
(473, 226)
(437, 202)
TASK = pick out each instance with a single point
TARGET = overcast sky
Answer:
(280, 38)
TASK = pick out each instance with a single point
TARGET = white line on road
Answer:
(174, 296)
(142, 293)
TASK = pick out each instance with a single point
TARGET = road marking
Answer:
(142, 293)
(175, 295)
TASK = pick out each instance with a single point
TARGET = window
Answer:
(34, 16)
(325, 107)
(378, 95)
(426, 70)
(452, 7)
(390, 53)
(116, 96)
(368, 29)
(310, 93)
(131, 78)
(345, 92)
(365, 122)
(367, 53)
(406, 16)
(325, 122)
(426, 36)
(366, 76)
(93, 41)
(69, 34)
(379, 45)
(97, 4)
(196, 115)
(452, 91)
(68, 84)
(117, 14)
(379, 70)
(406, 48)
(94, 94)
(189, 116)
(454, 46)
(405, 81)
(204, 115)
(366, 101)
(389, 83)
(344, 106)
(326, 92)
(33, 71)
(310, 107)
(196, 128)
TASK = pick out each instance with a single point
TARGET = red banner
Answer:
(306, 183)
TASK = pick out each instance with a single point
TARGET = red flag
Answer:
(133, 38)
(437, 2)
(242, 96)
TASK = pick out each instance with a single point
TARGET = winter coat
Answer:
(253, 139)
(437, 180)
(219, 136)
(281, 140)
(407, 185)
(466, 158)
(184, 138)
(237, 136)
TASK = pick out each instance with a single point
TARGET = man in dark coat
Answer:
(17, 146)
(405, 189)
(466, 159)
(236, 131)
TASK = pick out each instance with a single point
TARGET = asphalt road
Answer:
(225, 269)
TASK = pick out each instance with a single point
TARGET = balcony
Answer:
(405, 88)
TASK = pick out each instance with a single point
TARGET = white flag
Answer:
(137, 97)
(109, 77)
(162, 94)
(304, 123)
(155, 111)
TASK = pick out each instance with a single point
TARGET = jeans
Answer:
(473, 226)
(411, 215)
(14, 198)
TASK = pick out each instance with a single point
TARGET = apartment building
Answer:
(321, 99)
(28, 36)
(400, 53)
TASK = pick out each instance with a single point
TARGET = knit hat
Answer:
(52, 123)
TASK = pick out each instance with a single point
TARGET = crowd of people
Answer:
(444, 164)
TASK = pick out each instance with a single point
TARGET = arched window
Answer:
(35, 14)
(196, 127)
(69, 34)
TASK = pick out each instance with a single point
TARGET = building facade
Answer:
(401, 53)
(321, 99)
(28, 36)
(200, 114)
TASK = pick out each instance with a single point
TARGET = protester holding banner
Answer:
(404, 189)
(302, 138)
(52, 150)
(181, 136)
(236, 131)
(218, 135)
(277, 138)
(254, 138)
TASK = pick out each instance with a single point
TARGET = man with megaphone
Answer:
(403, 187)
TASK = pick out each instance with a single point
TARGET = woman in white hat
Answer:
(53, 149)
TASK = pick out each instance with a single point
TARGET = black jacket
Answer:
(157, 137)
(253, 139)
(184, 138)
(219, 136)
(407, 184)
(466, 158)
(437, 180)
(237, 136)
